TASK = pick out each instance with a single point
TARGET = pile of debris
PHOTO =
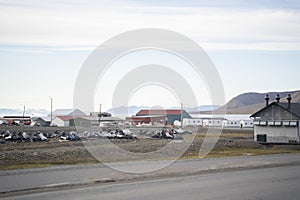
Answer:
(169, 134)
(63, 136)
(25, 137)
(111, 134)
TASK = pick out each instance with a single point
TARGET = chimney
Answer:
(277, 98)
(289, 98)
(267, 99)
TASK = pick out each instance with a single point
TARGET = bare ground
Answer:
(55, 152)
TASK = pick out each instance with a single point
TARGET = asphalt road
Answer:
(12, 180)
(273, 183)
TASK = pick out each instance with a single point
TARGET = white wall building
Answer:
(61, 120)
(239, 123)
(192, 122)
(217, 122)
(213, 122)
(277, 122)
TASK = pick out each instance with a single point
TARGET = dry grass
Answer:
(238, 151)
(37, 155)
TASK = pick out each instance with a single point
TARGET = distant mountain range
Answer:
(119, 111)
(28, 112)
(246, 103)
(132, 110)
(249, 103)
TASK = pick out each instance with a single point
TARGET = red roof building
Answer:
(136, 120)
(62, 120)
(159, 112)
(170, 114)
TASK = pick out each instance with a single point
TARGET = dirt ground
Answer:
(56, 152)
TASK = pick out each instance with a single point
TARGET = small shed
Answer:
(40, 121)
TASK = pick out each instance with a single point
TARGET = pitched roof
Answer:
(43, 118)
(68, 112)
(91, 118)
(65, 118)
(294, 108)
(159, 112)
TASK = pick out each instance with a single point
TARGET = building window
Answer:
(293, 123)
(263, 123)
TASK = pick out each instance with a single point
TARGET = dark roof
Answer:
(16, 117)
(160, 112)
(294, 108)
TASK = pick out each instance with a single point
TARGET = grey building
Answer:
(41, 121)
(277, 122)
(68, 112)
(94, 121)
(85, 121)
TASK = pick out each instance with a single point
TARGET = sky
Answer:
(254, 45)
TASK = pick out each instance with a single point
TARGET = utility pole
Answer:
(51, 107)
(23, 111)
(100, 113)
(181, 117)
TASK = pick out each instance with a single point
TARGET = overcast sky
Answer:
(255, 45)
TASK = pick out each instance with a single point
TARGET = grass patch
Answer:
(24, 166)
(225, 135)
(238, 151)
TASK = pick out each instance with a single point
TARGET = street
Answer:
(12, 180)
(273, 183)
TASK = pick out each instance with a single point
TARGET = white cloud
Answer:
(78, 25)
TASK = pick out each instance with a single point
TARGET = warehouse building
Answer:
(85, 121)
(171, 114)
(277, 122)
(89, 121)
(68, 112)
(156, 120)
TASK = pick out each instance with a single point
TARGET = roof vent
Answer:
(277, 98)
(267, 99)
(289, 98)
